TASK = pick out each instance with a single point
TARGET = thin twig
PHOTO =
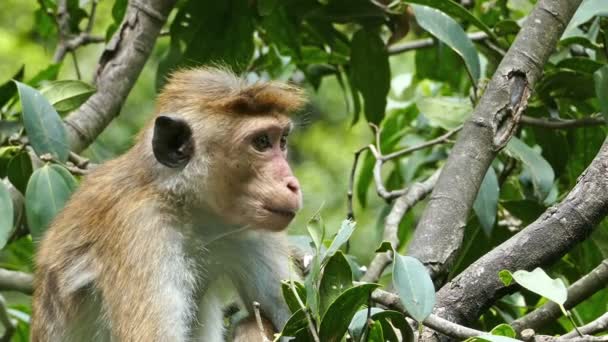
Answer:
(599, 325)
(351, 183)
(563, 123)
(414, 194)
(428, 42)
(258, 320)
(9, 325)
(92, 16)
(439, 140)
(75, 62)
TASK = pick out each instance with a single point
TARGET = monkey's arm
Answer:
(264, 262)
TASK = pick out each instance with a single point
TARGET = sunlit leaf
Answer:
(375, 333)
(503, 330)
(540, 283)
(445, 112)
(42, 123)
(67, 95)
(414, 285)
(448, 31)
(344, 233)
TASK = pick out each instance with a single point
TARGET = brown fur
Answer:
(117, 222)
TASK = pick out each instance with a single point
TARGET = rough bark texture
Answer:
(439, 233)
(118, 69)
(543, 242)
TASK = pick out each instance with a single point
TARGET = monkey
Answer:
(147, 244)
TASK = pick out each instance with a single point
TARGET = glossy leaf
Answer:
(455, 10)
(370, 72)
(339, 314)
(600, 78)
(396, 319)
(414, 285)
(296, 322)
(344, 233)
(336, 279)
(505, 277)
(448, 31)
(486, 202)
(19, 170)
(540, 283)
(445, 112)
(375, 333)
(67, 95)
(42, 123)
(587, 10)
(290, 297)
(355, 328)
(503, 330)
(540, 169)
(47, 192)
(6, 214)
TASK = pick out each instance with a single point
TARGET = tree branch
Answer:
(414, 194)
(427, 43)
(577, 292)
(563, 123)
(118, 69)
(597, 326)
(568, 223)
(439, 233)
(16, 281)
(9, 325)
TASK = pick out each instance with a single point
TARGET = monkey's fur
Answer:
(143, 247)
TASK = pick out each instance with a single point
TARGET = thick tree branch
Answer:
(439, 234)
(577, 292)
(414, 194)
(118, 69)
(542, 243)
(16, 281)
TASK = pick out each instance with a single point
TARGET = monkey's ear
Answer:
(172, 141)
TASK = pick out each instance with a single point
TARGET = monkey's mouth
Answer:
(287, 213)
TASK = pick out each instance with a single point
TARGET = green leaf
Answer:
(454, 9)
(486, 203)
(581, 64)
(503, 330)
(46, 194)
(600, 78)
(370, 72)
(365, 177)
(587, 10)
(397, 320)
(375, 333)
(448, 31)
(296, 322)
(290, 297)
(414, 285)
(281, 29)
(355, 328)
(344, 233)
(265, 7)
(540, 169)
(540, 283)
(341, 311)
(19, 170)
(42, 123)
(50, 73)
(505, 277)
(506, 27)
(337, 278)
(6, 214)
(8, 89)
(67, 95)
(445, 112)
(312, 286)
(316, 229)
(385, 246)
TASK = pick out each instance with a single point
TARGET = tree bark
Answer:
(542, 243)
(119, 66)
(439, 234)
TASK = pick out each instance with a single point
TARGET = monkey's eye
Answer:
(262, 142)
(283, 142)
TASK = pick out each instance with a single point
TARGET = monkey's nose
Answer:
(293, 185)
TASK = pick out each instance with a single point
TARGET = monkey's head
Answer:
(223, 143)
